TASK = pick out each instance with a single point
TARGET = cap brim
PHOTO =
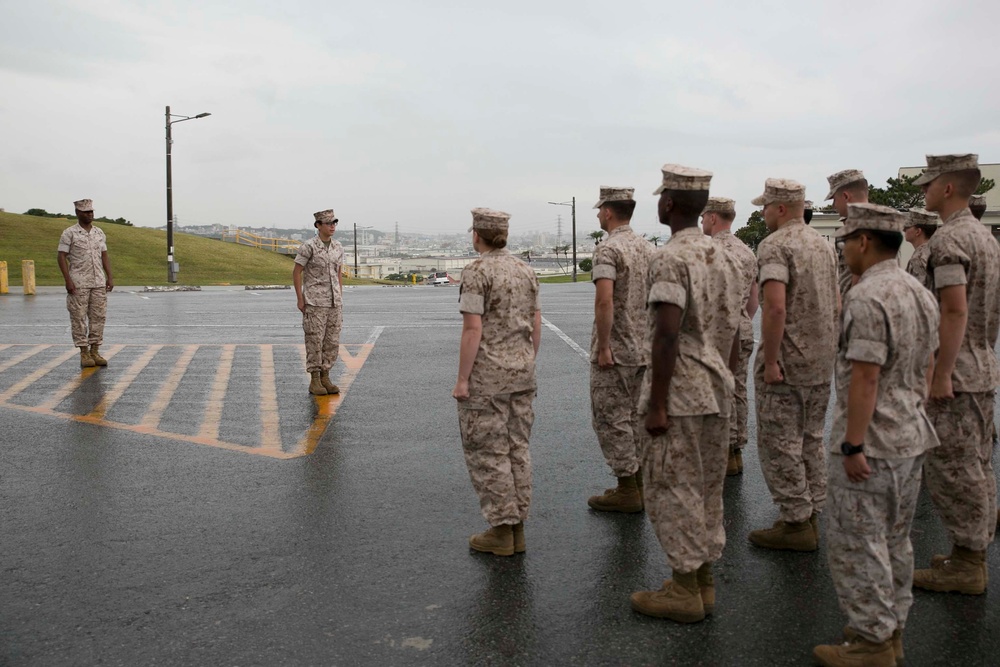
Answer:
(842, 232)
(472, 228)
(599, 204)
(759, 201)
(925, 178)
(830, 195)
(659, 190)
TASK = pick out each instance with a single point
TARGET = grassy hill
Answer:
(139, 255)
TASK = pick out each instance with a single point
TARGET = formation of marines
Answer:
(909, 352)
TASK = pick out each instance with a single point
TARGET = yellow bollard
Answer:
(28, 276)
(3, 278)
(414, 276)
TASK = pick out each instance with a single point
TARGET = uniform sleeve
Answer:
(338, 257)
(472, 293)
(104, 242)
(304, 254)
(605, 263)
(668, 281)
(868, 334)
(65, 241)
(771, 264)
(950, 261)
(538, 293)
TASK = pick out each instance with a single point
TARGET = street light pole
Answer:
(572, 203)
(171, 269)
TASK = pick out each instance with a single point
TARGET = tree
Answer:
(586, 264)
(655, 240)
(901, 193)
(526, 256)
(754, 231)
(597, 236)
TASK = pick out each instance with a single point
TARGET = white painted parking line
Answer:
(569, 341)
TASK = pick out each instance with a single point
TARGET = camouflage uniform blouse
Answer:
(624, 259)
(321, 272)
(747, 263)
(83, 253)
(917, 266)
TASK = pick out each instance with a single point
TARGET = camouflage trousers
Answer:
(614, 405)
(959, 471)
(683, 472)
(790, 422)
(495, 433)
(88, 309)
(738, 415)
(869, 549)
(322, 328)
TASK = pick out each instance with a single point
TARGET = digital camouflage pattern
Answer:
(892, 321)
(495, 433)
(781, 190)
(790, 445)
(963, 252)
(841, 179)
(322, 333)
(88, 310)
(959, 471)
(624, 259)
(614, 402)
(321, 268)
(504, 291)
(804, 261)
(917, 266)
(868, 543)
(83, 254)
(683, 475)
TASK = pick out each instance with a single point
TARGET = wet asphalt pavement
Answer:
(166, 510)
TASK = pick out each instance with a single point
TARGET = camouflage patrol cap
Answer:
(609, 193)
(488, 220)
(943, 164)
(84, 205)
(918, 217)
(677, 177)
(781, 190)
(720, 205)
(872, 217)
(325, 216)
(977, 200)
(842, 179)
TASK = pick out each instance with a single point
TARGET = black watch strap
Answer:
(847, 449)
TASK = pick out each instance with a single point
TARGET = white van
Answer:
(439, 278)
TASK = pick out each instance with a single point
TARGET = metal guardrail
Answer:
(278, 245)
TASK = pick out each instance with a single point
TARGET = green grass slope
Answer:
(139, 255)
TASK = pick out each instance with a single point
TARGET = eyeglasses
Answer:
(841, 242)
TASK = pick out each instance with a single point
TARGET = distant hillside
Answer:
(139, 255)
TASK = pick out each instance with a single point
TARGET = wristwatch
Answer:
(847, 449)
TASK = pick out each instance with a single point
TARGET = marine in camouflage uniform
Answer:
(887, 342)
(717, 218)
(794, 364)
(965, 264)
(86, 268)
(501, 330)
(848, 186)
(319, 292)
(618, 355)
(920, 227)
(695, 297)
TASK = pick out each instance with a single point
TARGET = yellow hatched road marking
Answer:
(270, 436)
(213, 405)
(31, 378)
(155, 413)
(123, 384)
(74, 384)
(10, 363)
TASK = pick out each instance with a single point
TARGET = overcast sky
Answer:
(416, 112)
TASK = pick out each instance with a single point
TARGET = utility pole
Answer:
(171, 266)
(573, 204)
(355, 250)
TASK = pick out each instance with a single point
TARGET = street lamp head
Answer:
(202, 115)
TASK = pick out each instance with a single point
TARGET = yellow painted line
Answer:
(124, 382)
(270, 435)
(213, 405)
(74, 384)
(159, 405)
(35, 349)
(31, 378)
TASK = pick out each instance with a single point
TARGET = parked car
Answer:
(439, 278)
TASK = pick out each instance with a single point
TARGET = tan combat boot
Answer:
(95, 355)
(937, 560)
(86, 361)
(498, 540)
(331, 388)
(316, 387)
(519, 538)
(624, 498)
(896, 641)
(735, 464)
(679, 600)
(856, 652)
(962, 572)
(787, 536)
(706, 586)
